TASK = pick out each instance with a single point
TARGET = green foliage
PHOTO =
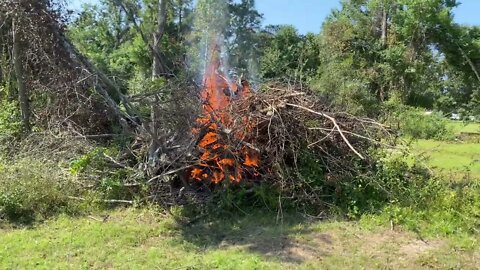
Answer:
(289, 55)
(415, 123)
(243, 44)
(448, 211)
(34, 190)
(108, 182)
(108, 36)
(448, 205)
(421, 56)
(94, 158)
(246, 198)
(10, 123)
(424, 59)
(392, 181)
(112, 186)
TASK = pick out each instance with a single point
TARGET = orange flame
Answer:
(220, 161)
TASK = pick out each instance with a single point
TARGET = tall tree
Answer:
(377, 50)
(158, 67)
(19, 74)
(245, 23)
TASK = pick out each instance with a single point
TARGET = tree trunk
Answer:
(157, 65)
(469, 61)
(384, 25)
(19, 74)
(180, 18)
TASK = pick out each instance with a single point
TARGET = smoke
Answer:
(208, 36)
(211, 21)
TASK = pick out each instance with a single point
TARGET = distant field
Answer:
(456, 159)
(459, 127)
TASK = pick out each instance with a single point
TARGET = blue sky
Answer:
(308, 15)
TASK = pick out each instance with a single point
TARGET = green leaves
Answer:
(10, 122)
(289, 55)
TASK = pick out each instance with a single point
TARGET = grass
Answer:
(145, 239)
(398, 237)
(455, 159)
(459, 127)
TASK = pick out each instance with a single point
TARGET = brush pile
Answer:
(264, 137)
(189, 138)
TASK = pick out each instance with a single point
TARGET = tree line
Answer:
(368, 54)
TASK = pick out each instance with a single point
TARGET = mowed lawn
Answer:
(145, 239)
(457, 159)
(459, 127)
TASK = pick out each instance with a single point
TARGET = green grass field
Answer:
(456, 159)
(144, 239)
(459, 127)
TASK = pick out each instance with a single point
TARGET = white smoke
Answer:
(210, 23)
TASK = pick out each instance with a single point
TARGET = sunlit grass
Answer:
(146, 239)
(128, 239)
(459, 127)
(455, 159)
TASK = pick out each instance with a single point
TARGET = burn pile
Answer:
(244, 137)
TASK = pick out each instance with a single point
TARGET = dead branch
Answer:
(334, 123)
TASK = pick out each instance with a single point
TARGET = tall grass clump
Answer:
(32, 190)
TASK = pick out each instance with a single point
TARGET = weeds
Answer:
(35, 190)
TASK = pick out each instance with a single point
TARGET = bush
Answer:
(34, 190)
(10, 124)
(416, 124)
(106, 180)
(391, 181)
(447, 211)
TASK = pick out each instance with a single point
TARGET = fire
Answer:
(218, 160)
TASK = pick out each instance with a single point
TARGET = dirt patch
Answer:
(401, 247)
(313, 248)
(415, 248)
(315, 243)
(396, 244)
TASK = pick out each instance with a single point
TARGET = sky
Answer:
(308, 15)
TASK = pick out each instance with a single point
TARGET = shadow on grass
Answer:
(260, 232)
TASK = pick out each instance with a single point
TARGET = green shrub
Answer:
(416, 124)
(34, 190)
(450, 211)
(10, 124)
(93, 158)
(108, 182)
(353, 193)
(392, 181)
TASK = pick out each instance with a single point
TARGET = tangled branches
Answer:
(66, 91)
(284, 127)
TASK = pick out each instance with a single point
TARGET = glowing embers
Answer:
(220, 159)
